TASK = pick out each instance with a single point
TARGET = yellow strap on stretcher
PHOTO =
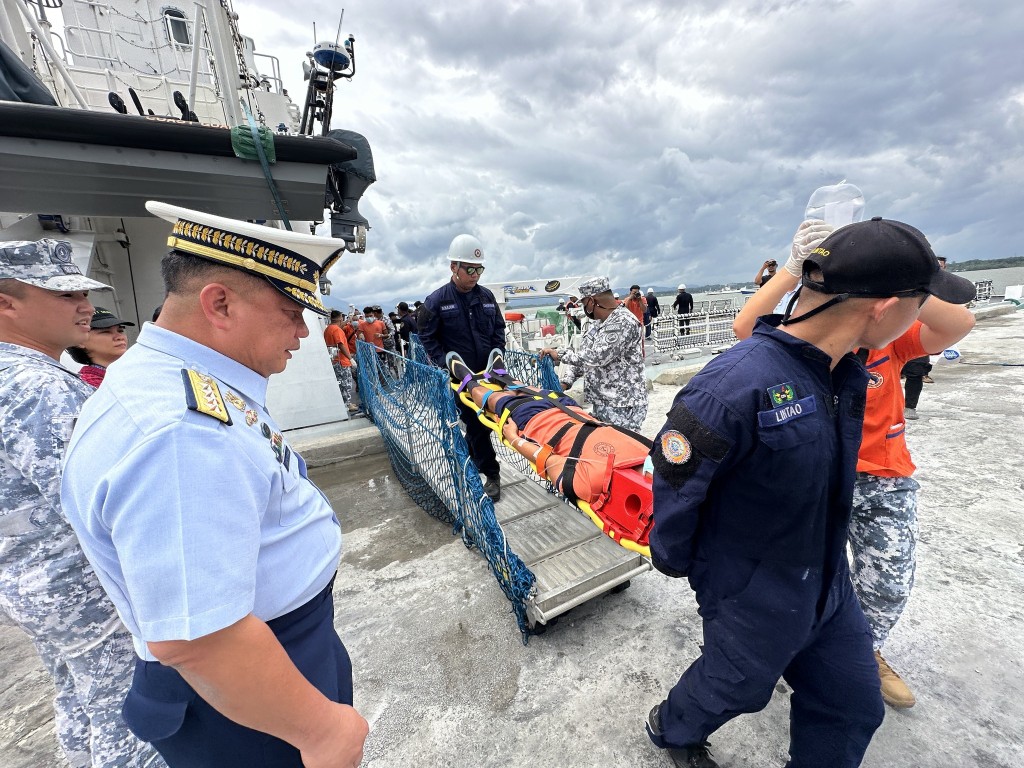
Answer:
(487, 419)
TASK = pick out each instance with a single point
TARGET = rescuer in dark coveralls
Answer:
(463, 317)
(753, 482)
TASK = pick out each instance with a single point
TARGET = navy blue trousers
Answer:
(763, 621)
(163, 709)
(478, 439)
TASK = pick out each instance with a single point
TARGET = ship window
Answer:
(177, 27)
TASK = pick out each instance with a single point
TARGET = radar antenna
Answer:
(326, 63)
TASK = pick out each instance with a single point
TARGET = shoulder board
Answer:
(203, 395)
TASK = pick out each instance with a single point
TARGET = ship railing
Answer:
(101, 51)
(110, 42)
(984, 291)
(274, 78)
(676, 332)
(156, 92)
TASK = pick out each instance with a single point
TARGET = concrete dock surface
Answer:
(444, 679)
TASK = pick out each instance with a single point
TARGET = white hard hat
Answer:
(466, 249)
(682, 287)
(650, 290)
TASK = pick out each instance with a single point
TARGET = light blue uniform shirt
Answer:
(192, 523)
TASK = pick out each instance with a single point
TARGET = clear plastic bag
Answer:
(836, 204)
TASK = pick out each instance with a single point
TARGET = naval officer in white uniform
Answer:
(217, 550)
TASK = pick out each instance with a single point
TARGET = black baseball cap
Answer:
(882, 258)
(104, 318)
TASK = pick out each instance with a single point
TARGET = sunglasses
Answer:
(472, 269)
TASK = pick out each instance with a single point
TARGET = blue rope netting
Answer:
(413, 406)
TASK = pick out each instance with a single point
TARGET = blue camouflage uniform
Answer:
(196, 513)
(753, 479)
(610, 357)
(47, 586)
(471, 325)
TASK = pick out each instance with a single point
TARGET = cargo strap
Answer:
(266, 167)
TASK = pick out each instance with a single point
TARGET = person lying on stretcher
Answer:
(586, 460)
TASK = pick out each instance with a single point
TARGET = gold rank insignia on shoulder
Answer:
(234, 400)
(202, 394)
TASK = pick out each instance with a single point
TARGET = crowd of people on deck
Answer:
(390, 333)
(176, 637)
(645, 309)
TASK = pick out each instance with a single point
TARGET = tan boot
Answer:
(895, 692)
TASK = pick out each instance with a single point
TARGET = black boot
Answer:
(693, 756)
(492, 487)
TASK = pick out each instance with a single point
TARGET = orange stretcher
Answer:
(614, 492)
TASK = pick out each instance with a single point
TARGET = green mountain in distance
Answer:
(973, 264)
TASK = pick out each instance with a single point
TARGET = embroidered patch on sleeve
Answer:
(675, 447)
(672, 467)
(680, 450)
(704, 441)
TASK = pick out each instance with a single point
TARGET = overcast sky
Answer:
(663, 142)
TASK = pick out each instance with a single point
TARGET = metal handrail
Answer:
(275, 67)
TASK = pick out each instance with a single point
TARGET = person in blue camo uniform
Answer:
(47, 587)
(609, 357)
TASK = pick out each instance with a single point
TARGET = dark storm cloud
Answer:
(660, 142)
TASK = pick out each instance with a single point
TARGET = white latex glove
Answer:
(809, 235)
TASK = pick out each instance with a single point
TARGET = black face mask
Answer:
(590, 312)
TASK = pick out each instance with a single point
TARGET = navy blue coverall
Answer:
(753, 481)
(470, 324)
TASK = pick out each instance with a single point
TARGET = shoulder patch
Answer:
(675, 447)
(686, 442)
(673, 459)
(202, 394)
(703, 440)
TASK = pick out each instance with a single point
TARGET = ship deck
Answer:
(444, 679)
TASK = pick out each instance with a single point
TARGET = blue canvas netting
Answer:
(413, 406)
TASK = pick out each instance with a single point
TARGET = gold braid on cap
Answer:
(245, 253)
(305, 298)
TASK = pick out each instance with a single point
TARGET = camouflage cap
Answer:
(45, 264)
(593, 286)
